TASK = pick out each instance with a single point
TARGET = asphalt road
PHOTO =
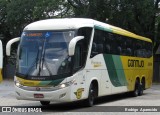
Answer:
(115, 103)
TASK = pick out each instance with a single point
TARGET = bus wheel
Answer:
(91, 96)
(143, 83)
(45, 102)
(135, 93)
(140, 90)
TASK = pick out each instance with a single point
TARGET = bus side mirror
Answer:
(72, 44)
(8, 46)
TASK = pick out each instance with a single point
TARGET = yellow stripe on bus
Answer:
(127, 33)
(1, 78)
(28, 82)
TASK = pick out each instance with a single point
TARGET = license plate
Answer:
(38, 96)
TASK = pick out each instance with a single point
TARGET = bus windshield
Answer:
(44, 53)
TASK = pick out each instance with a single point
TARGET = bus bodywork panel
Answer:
(124, 70)
(60, 24)
(52, 90)
(57, 95)
(118, 74)
(138, 68)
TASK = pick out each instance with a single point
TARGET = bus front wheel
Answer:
(91, 96)
(45, 102)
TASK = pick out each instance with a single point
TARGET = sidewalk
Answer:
(7, 84)
(7, 95)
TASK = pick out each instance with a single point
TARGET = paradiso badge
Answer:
(79, 93)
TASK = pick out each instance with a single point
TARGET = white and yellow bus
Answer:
(66, 60)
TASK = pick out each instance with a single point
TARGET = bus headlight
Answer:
(17, 83)
(63, 85)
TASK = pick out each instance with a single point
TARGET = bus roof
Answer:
(75, 23)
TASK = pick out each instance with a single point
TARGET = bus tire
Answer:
(143, 83)
(91, 96)
(135, 93)
(45, 102)
(140, 90)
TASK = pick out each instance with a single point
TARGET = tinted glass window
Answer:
(110, 43)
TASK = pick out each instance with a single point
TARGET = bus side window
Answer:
(97, 45)
(94, 50)
(107, 48)
(129, 52)
(119, 50)
(149, 49)
(84, 44)
(78, 57)
(100, 48)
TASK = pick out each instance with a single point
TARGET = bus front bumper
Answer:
(60, 95)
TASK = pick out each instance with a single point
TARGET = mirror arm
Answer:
(8, 46)
(72, 44)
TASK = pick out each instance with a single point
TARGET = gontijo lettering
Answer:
(135, 63)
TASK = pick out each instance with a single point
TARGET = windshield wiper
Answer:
(42, 59)
(34, 62)
(37, 58)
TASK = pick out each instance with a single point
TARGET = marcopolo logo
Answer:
(135, 63)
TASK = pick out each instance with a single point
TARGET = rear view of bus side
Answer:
(66, 60)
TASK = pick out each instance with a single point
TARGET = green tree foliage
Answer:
(51, 9)
(137, 16)
(133, 15)
(17, 14)
(3, 15)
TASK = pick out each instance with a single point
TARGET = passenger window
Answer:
(115, 44)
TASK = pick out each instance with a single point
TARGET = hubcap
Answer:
(91, 97)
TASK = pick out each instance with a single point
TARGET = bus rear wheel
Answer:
(135, 92)
(45, 102)
(143, 83)
(138, 91)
